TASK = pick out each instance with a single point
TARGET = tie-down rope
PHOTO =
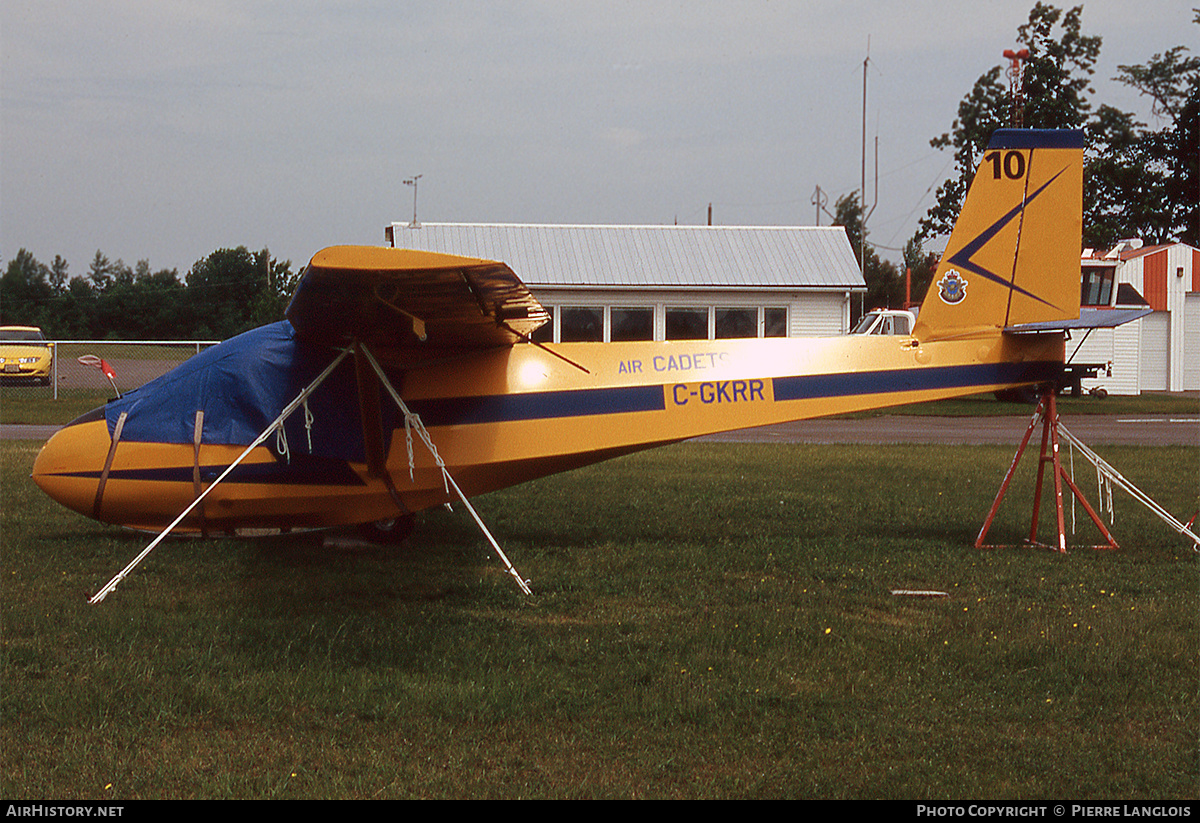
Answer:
(300, 400)
(1107, 476)
(412, 421)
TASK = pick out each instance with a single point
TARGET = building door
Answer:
(1156, 358)
(1191, 343)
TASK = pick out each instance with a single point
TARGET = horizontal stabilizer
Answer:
(1088, 319)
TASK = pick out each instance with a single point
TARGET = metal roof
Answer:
(670, 257)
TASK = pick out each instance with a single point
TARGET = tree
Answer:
(1124, 190)
(1172, 81)
(921, 266)
(74, 315)
(979, 114)
(24, 291)
(59, 275)
(234, 290)
(228, 292)
(1057, 76)
(885, 288)
(273, 301)
(142, 304)
(1137, 181)
(1056, 83)
(100, 272)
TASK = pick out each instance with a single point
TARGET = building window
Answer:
(586, 324)
(631, 324)
(1097, 286)
(775, 322)
(736, 323)
(687, 324)
(581, 324)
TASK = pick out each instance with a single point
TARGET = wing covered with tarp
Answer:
(294, 387)
(403, 299)
(396, 302)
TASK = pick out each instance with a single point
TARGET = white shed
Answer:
(666, 282)
(1159, 352)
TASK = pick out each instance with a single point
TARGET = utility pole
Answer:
(413, 182)
(819, 199)
(862, 247)
(862, 240)
(862, 190)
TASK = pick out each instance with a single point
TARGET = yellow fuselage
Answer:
(512, 414)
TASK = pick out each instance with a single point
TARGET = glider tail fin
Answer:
(1013, 256)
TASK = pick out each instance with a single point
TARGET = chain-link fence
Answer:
(92, 371)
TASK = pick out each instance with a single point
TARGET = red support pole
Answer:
(1047, 410)
(1012, 469)
(1037, 493)
(1058, 472)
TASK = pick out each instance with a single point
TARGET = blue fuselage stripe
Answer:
(453, 411)
(456, 411)
(584, 402)
(907, 380)
(301, 471)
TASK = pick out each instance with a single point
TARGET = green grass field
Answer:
(708, 620)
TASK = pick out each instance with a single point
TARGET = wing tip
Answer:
(385, 258)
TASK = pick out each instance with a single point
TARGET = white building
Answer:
(666, 282)
(1160, 352)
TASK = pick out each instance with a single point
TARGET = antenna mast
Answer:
(1016, 85)
(819, 199)
(862, 239)
(863, 190)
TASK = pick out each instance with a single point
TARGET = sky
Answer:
(162, 130)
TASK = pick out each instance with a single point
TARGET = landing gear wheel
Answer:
(391, 532)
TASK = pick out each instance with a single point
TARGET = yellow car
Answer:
(25, 355)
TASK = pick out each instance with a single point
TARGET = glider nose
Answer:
(68, 467)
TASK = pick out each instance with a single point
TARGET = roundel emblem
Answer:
(952, 288)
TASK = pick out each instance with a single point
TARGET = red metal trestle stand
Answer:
(1047, 414)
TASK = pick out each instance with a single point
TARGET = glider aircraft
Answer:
(310, 422)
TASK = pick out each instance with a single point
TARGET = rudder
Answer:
(1013, 256)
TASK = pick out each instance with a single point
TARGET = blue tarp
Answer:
(242, 385)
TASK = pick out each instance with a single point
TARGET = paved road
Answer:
(1093, 429)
